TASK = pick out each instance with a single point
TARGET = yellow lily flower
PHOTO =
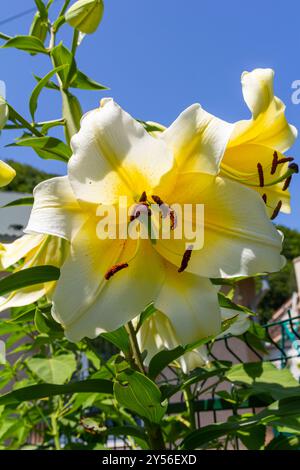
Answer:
(108, 282)
(26, 252)
(254, 154)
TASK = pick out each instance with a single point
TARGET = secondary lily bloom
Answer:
(105, 283)
(254, 154)
(27, 252)
(158, 333)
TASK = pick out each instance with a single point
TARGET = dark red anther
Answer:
(114, 269)
(143, 197)
(287, 183)
(276, 210)
(172, 219)
(274, 163)
(157, 199)
(261, 175)
(285, 160)
(185, 260)
(264, 196)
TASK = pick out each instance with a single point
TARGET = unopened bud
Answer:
(85, 15)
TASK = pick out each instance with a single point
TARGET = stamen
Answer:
(274, 163)
(143, 197)
(114, 269)
(285, 160)
(173, 220)
(294, 167)
(157, 199)
(185, 259)
(261, 175)
(264, 196)
(276, 210)
(287, 183)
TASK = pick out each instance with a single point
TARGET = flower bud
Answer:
(39, 27)
(85, 15)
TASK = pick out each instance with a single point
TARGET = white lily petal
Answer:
(239, 327)
(10, 253)
(268, 125)
(55, 210)
(114, 156)
(95, 304)
(198, 140)
(191, 304)
(239, 239)
(22, 297)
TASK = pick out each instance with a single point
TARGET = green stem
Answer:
(189, 401)
(64, 8)
(55, 431)
(4, 36)
(155, 436)
(75, 41)
(25, 123)
(135, 347)
(36, 124)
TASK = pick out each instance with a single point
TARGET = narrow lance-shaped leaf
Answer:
(28, 277)
(37, 90)
(37, 392)
(23, 201)
(46, 147)
(26, 43)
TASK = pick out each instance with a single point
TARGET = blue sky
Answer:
(160, 56)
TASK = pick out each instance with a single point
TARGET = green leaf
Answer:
(264, 378)
(118, 338)
(46, 324)
(46, 147)
(26, 43)
(24, 201)
(214, 369)
(84, 82)
(139, 394)
(62, 56)
(149, 310)
(51, 85)
(225, 302)
(37, 392)
(162, 359)
(253, 438)
(37, 90)
(28, 277)
(23, 315)
(165, 357)
(284, 443)
(54, 370)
